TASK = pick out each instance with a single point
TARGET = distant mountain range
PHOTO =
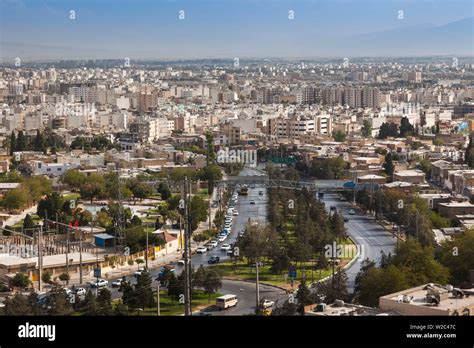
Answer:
(455, 38)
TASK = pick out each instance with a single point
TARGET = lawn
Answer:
(242, 271)
(172, 307)
(71, 196)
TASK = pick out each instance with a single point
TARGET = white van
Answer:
(226, 301)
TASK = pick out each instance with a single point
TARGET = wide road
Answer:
(245, 291)
(372, 238)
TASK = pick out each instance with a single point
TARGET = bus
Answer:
(244, 190)
(226, 301)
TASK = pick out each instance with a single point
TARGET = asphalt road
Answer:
(245, 291)
(372, 238)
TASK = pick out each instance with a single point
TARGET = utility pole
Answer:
(158, 299)
(257, 284)
(40, 257)
(80, 257)
(146, 250)
(187, 248)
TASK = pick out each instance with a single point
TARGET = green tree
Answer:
(17, 305)
(21, 144)
(15, 199)
(28, 224)
(377, 282)
(46, 277)
(339, 136)
(287, 309)
(388, 165)
(74, 179)
(50, 205)
(104, 302)
(406, 128)
(303, 296)
(212, 282)
(388, 130)
(13, 144)
(458, 255)
(21, 280)
(366, 129)
(40, 142)
(164, 191)
(57, 302)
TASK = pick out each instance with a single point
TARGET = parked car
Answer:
(235, 213)
(346, 219)
(222, 238)
(352, 212)
(260, 193)
(99, 283)
(252, 202)
(117, 283)
(213, 259)
(181, 263)
(225, 247)
(201, 250)
(80, 291)
(267, 303)
(139, 272)
(213, 243)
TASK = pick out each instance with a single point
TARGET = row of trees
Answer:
(41, 142)
(393, 130)
(29, 192)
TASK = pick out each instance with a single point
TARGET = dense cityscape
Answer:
(213, 163)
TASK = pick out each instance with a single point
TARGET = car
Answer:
(67, 291)
(225, 247)
(208, 245)
(346, 219)
(99, 283)
(352, 212)
(226, 230)
(235, 213)
(252, 202)
(241, 234)
(260, 193)
(181, 263)
(213, 259)
(213, 243)
(332, 208)
(201, 250)
(222, 238)
(267, 303)
(165, 268)
(80, 291)
(139, 272)
(230, 251)
(117, 283)
(228, 226)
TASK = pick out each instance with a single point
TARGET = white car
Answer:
(116, 283)
(352, 212)
(225, 247)
(139, 272)
(222, 238)
(201, 250)
(267, 303)
(80, 291)
(213, 243)
(181, 263)
(67, 291)
(98, 284)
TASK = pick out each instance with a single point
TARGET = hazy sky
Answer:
(42, 29)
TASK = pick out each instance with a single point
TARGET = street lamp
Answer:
(40, 254)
